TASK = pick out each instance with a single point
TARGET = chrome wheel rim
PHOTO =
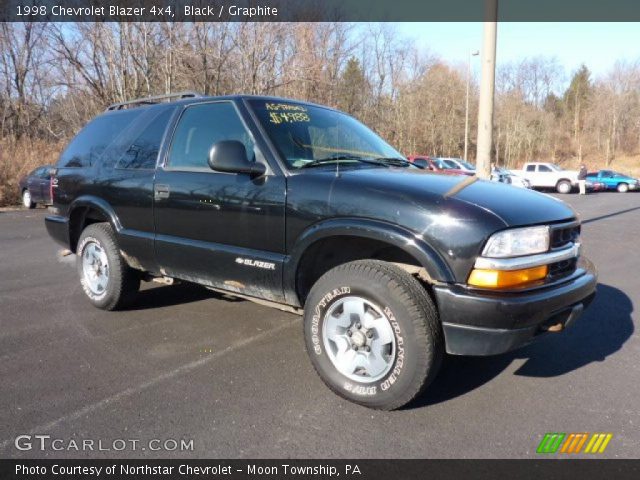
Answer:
(95, 268)
(359, 339)
(26, 198)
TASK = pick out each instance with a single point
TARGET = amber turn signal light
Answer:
(506, 278)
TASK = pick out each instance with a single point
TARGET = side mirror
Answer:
(230, 156)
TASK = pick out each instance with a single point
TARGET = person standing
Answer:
(582, 179)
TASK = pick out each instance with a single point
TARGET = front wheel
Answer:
(373, 334)
(106, 279)
(26, 199)
(623, 187)
(563, 187)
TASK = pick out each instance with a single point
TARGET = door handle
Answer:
(161, 191)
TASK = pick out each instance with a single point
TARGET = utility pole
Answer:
(487, 87)
(466, 110)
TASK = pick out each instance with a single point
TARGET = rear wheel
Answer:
(26, 199)
(623, 187)
(563, 186)
(106, 279)
(373, 334)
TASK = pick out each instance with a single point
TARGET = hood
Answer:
(513, 206)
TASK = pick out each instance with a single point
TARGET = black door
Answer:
(225, 230)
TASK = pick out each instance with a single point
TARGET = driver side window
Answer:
(199, 127)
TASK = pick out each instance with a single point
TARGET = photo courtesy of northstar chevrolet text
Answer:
(305, 239)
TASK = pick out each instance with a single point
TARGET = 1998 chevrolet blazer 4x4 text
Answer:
(304, 207)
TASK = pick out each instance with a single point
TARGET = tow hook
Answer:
(576, 311)
(558, 327)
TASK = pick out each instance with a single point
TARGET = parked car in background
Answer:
(614, 180)
(459, 164)
(437, 165)
(36, 187)
(549, 175)
(500, 174)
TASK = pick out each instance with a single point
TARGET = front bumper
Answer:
(488, 323)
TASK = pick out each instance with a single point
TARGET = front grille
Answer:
(562, 269)
(562, 235)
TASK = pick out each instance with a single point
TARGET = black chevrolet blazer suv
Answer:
(304, 208)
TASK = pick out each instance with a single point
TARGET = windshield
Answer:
(305, 134)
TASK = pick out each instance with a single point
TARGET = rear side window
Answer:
(201, 126)
(91, 142)
(531, 168)
(143, 150)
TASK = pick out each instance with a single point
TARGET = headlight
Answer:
(517, 242)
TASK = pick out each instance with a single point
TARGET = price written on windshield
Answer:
(288, 117)
(287, 113)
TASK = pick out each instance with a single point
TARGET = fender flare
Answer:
(96, 203)
(404, 239)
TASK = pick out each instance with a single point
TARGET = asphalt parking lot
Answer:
(233, 376)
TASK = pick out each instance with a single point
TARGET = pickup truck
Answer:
(304, 208)
(543, 175)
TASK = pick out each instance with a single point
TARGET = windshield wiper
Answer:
(395, 161)
(336, 158)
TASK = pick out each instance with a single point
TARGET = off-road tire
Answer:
(123, 281)
(415, 324)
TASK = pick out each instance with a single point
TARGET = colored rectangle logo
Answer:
(573, 443)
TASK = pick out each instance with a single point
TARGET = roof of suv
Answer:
(196, 98)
